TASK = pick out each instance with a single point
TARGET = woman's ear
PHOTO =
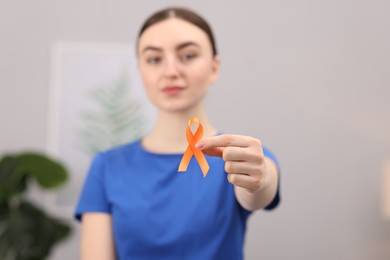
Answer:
(215, 66)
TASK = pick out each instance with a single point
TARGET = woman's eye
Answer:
(188, 57)
(153, 60)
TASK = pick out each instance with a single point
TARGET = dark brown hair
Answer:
(184, 14)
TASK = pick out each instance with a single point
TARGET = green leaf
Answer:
(12, 182)
(27, 233)
(115, 119)
(48, 172)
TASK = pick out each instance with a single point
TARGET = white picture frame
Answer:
(77, 69)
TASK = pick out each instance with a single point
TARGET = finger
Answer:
(224, 141)
(242, 154)
(244, 181)
(218, 151)
(243, 168)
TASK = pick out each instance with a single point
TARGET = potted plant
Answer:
(26, 230)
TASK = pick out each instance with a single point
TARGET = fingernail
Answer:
(199, 145)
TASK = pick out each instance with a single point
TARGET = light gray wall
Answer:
(309, 78)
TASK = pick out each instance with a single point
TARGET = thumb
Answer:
(212, 151)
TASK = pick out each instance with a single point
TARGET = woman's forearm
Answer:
(260, 199)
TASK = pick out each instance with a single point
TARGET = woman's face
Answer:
(176, 64)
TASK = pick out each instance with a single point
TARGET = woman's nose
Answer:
(171, 68)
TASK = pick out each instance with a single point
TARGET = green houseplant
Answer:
(26, 230)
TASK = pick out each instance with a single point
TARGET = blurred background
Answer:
(311, 79)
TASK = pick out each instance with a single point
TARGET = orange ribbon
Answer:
(191, 150)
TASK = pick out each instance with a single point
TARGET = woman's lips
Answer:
(172, 90)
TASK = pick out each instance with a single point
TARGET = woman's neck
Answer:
(168, 134)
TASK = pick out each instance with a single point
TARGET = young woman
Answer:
(135, 204)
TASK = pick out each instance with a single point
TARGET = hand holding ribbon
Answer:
(243, 156)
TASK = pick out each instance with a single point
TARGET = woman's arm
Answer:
(97, 242)
(257, 200)
(254, 176)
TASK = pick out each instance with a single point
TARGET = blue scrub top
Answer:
(160, 213)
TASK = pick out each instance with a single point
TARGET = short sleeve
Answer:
(93, 197)
(276, 200)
